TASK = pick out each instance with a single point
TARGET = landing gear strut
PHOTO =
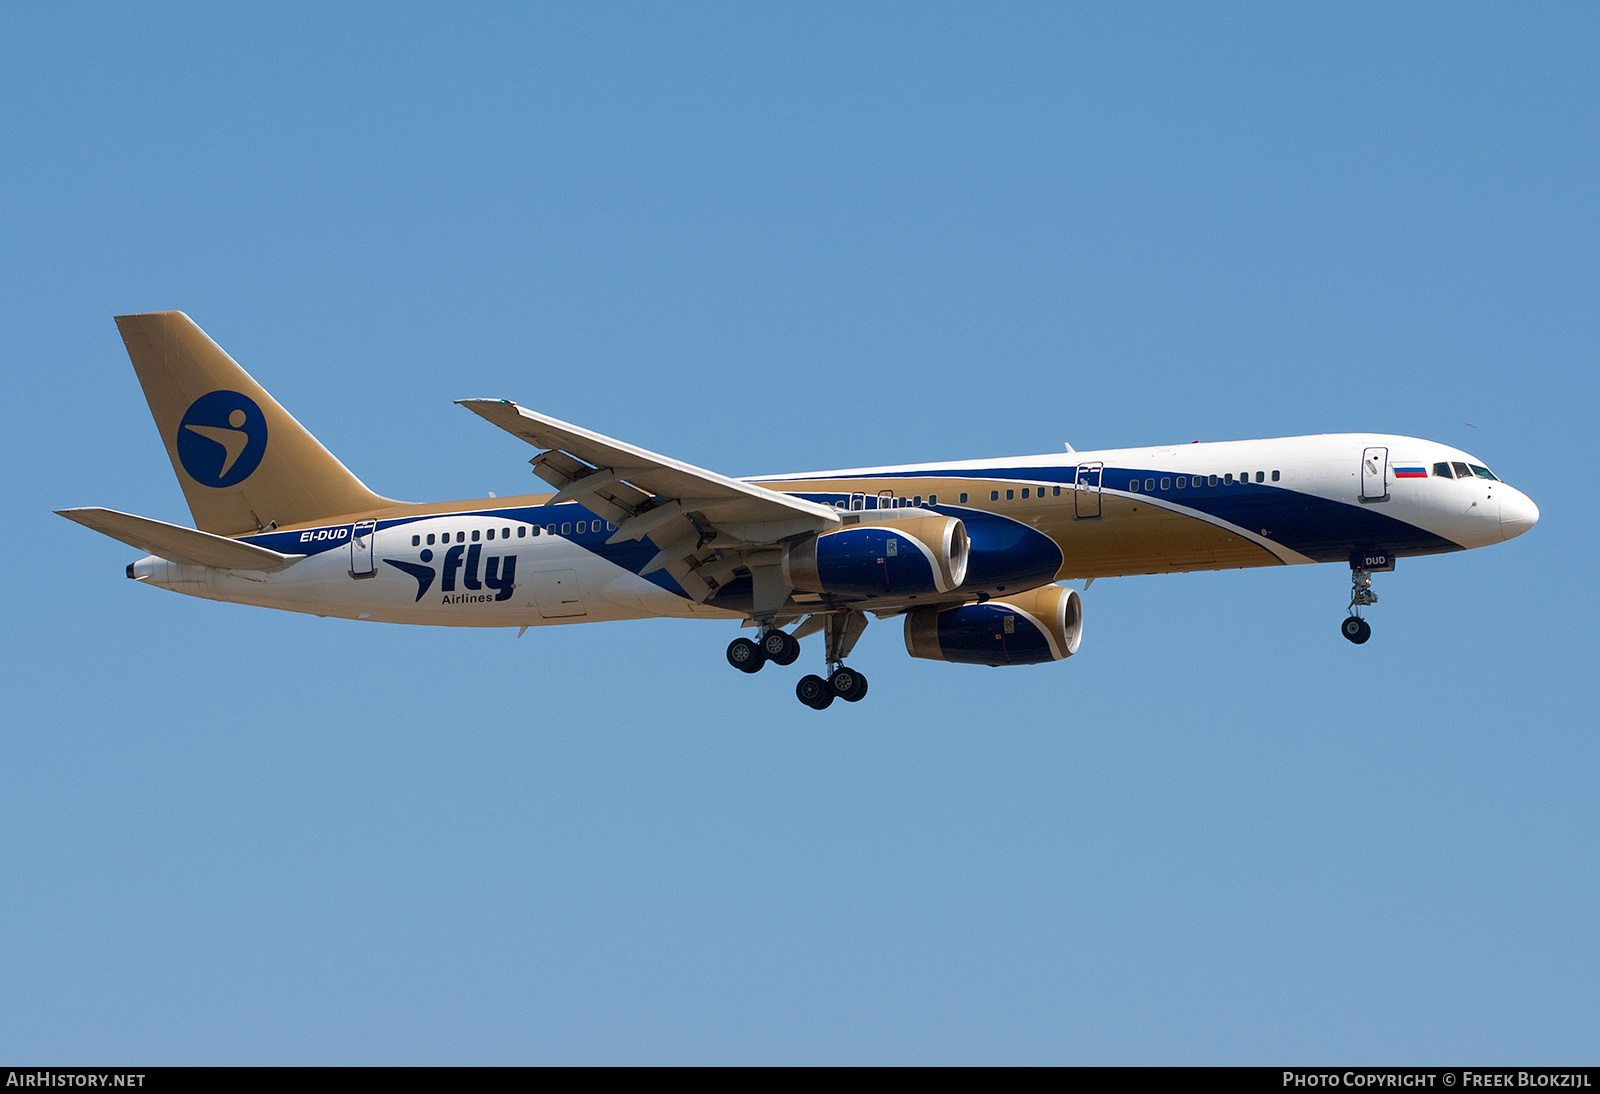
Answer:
(1355, 628)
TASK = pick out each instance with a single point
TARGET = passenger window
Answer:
(1166, 484)
(566, 528)
(1442, 470)
(550, 529)
(994, 495)
(917, 500)
(505, 533)
(522, 531)
(1182, 482)
(582, 527)
(1483, 472)
(610, 527)
(1024, 491)
(1227, 479)
(416, 541)
(1011, 495)
(1134, 486)
(933, 499)
(963, 499)
(461, 537)
(430, 539)
(1261, 476)
(491, 533)
(1462, 470)
(474, 535)
(1055, 491)
(1274, 476)
(1211, 480)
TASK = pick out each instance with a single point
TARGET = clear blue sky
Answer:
(782, 238)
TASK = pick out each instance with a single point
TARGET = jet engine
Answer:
(906, 557)
(1030, 628)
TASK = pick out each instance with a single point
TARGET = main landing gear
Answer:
(1355, 628)
(775, 646)
(818, 692)
(842, 683)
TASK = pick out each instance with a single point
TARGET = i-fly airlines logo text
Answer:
(499, 574)
(221, 439)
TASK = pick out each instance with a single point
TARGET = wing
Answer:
(179, 544)
(705, 524)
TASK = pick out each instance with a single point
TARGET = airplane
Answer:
(970, 553)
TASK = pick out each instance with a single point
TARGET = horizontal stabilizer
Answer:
(179, 544)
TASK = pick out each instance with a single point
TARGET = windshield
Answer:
(1483, 472)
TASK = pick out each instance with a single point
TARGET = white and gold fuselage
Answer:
(1031, 520)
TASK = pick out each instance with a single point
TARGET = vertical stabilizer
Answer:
(243, 461)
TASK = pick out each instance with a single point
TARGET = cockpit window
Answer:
(1442, 470)
(1462, 470)
(1483, 472)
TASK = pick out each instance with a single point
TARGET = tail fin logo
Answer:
(222, 438)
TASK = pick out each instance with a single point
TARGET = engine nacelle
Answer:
(906, 557)
(1027, 629)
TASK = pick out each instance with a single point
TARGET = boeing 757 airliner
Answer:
(968, 552)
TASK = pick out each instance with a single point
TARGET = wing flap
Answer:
(179, 544)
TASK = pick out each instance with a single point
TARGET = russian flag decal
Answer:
(1410, 472)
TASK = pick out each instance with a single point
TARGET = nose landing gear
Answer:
(1356, 629)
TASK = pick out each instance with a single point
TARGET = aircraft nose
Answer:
(1517, 513)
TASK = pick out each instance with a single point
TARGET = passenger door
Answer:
(361, 541)
(1375, 474)
(1086, 498)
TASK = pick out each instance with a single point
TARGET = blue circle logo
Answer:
(222, 438)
